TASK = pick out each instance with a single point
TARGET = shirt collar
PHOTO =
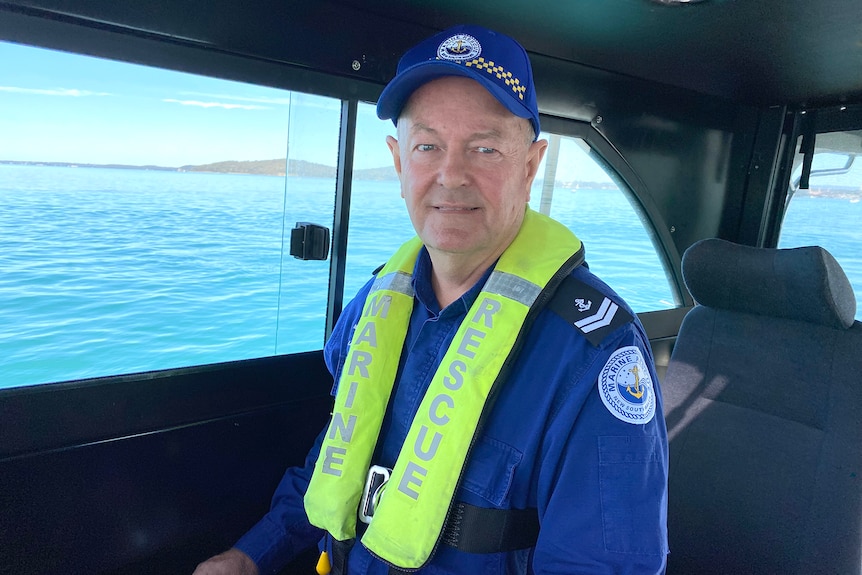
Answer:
(425, 293)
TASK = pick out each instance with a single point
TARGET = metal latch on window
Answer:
(309, 241)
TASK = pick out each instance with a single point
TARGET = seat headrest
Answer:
(804, 284)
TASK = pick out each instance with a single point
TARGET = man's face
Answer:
(466, 165)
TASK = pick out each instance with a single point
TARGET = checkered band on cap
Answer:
(500, 73)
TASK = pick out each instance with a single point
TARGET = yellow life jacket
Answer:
(412, 512)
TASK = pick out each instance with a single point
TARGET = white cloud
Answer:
(304, 100)
(67, 92)
(278, 101)
(214, 104)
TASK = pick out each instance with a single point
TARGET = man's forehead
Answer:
(421, 128)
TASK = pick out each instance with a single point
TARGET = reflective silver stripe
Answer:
(601, 318)
(512, 287)
(395, 281)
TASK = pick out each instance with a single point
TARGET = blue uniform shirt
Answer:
(556, 440)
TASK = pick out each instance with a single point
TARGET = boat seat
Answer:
(763, 401)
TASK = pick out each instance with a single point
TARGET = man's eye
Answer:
(484, 150)
(425, 147)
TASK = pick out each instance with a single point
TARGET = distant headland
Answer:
(297, 168)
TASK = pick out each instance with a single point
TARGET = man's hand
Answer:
(231, 562)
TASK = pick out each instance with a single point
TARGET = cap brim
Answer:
(398, 91)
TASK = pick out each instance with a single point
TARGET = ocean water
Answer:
(109, 271)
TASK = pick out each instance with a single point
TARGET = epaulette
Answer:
(587, 309)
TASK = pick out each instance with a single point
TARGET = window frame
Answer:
(636, 191)
(791, 189)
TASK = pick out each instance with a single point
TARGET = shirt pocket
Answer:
(491, 470)
(632, 480)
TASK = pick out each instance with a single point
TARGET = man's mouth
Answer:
(455, 209)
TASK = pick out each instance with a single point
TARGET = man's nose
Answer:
(454, 170)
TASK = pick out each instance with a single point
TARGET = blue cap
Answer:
(494, 60)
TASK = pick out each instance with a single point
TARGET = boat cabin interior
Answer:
(693, 144)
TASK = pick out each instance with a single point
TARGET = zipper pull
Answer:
(323, 565)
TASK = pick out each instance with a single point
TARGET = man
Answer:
(523, 430)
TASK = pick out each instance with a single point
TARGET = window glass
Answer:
(143, 214)
(829, 213)
(580, 193)
(379, 223)
(574, 187)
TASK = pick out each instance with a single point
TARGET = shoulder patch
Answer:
(626, 388)
(590, 311)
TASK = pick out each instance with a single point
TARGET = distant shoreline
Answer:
(298, 168)
(77, 165)
(303, 169)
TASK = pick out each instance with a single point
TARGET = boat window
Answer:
(573, 186)
(378, 218)
(577, 188)
(829, 211)
(143, 217)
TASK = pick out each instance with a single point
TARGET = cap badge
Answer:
(460, 47)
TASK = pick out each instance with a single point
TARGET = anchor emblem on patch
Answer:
(583, 304)
(626, 387)
(635, 390)
(458, 48)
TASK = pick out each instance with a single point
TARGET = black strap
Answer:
(340, 551)
(481, 530)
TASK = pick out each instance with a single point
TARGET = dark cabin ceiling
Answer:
(756, 52)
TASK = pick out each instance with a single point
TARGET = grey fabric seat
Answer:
(763, 400)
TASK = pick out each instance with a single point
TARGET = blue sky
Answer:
(62, 107)
(71, 108)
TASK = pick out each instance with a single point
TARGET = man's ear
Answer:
(534, 158)
(396, 153)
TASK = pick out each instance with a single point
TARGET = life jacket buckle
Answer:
(378, 476)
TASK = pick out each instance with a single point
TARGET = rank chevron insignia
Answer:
(575, 301)
(603, 317)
